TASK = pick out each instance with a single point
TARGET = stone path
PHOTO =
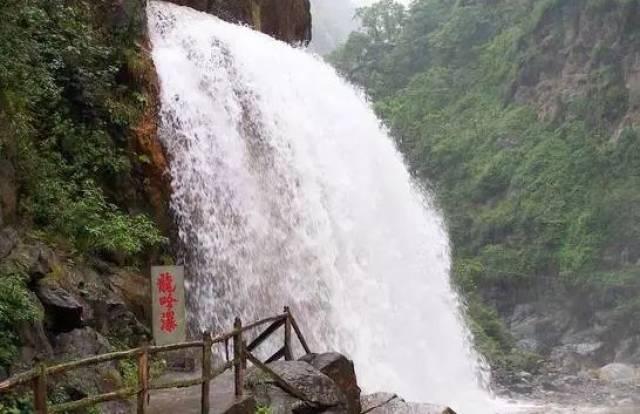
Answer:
(187, 400)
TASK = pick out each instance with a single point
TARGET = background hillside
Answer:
(522, 116)
(333, 20)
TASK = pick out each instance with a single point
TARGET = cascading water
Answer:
(287, 190)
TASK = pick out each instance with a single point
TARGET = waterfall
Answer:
(288, 190)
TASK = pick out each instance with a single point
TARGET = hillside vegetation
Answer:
(71, 94)
(521, 115)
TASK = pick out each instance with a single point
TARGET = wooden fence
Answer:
(241, 353)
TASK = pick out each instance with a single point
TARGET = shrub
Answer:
(17, 305)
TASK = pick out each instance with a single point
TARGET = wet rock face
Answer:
(568, 38)
(286, 20)
(574, 333)
(72, 296)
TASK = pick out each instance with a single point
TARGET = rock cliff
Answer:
(579, 51)
(287, 20)
(582, 62)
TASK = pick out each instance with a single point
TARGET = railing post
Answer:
(143, 380)
(298, 332)
(288, 353)
(243, 356)
(238, 360)
(206, 371)
(40, 390)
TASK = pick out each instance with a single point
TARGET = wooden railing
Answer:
(38, 377)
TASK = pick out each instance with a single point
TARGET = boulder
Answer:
(337, 367)
(35, 260)
(244, 405)
(378, 399)
(101, 378)
(42, 260)
(628, 351)
(80, 343)
(536, 330)
(135, 291)
(63, 311)
(278, 400)
(286, 20)
(109, 314)
(576, 356)
(384, 403)
(618, 373)
(320, 391)
(35, 345)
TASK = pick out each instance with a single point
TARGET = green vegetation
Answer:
(70, 96)
(263, 409)
(17, 404)
(531, 200)
(17, 306)
(129, 370)
(68, 101)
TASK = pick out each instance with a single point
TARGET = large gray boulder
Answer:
(385, 403)
(378, 399)
(34, 259)
(321, 393)
(340, 369)
(628, 351)
(64, 311)
(619, 374)
(90, 380)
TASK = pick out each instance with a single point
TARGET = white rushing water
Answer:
(287, 190)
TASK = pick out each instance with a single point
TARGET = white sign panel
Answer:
(168, 304)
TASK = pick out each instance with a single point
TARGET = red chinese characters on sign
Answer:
(168, 311)
(167, 300)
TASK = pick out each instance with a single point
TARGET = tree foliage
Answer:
(66, 108)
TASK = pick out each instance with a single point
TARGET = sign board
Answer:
(168, 304)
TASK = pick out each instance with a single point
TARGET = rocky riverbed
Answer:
(612, 389)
